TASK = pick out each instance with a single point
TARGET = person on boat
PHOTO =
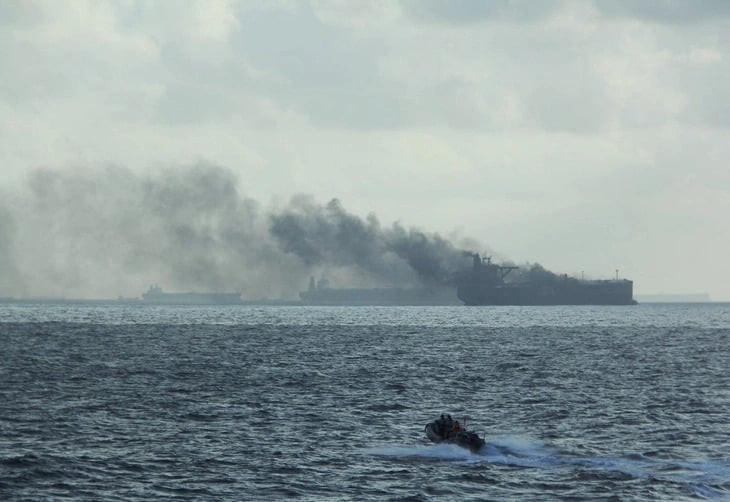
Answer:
(446, 426)
(457, 427)
(441, 426)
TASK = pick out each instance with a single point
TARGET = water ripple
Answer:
(329, 404)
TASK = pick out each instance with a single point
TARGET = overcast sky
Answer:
(586, 136)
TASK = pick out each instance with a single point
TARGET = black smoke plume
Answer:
(109, 231)
(328, 234)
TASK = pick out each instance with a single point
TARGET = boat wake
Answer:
(508, 451)
(705, 479)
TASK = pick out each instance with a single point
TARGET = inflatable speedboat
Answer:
(447, 430)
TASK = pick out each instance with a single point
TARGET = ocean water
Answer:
(132, 402)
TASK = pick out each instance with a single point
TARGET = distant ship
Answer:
(485, 284)
(155, 295)
(320, 293)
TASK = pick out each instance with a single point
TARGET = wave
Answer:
(707, 479)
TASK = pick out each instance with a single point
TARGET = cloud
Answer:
(472, 115)
(460, 12)
(322, 70)
(666, 11)
(543, 65)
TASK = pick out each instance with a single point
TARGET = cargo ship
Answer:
(485, 284)
(156, 296)
(320, 293)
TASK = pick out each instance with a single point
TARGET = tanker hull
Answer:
(485, 285)
(579, 293)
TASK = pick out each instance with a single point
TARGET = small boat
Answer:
(447, 430)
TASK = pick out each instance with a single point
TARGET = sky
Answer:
(162, 141)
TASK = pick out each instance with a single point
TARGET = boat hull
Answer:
(465, 439)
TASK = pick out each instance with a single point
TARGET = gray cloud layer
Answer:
(588, 135)
(666, 11)
(535, 67)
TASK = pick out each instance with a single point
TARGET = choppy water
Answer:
(112, 402)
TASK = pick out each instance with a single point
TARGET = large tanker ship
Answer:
(155, 295)
(485, 284)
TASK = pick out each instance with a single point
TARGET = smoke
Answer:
(8, 273)
(532, 272)
(109, 231)
(328, 234)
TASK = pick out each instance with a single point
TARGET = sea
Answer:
(112, 401)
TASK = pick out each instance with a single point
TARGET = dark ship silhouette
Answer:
(320, 293)
(485, 284)
(155, 295)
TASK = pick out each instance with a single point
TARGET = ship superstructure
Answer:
(485, 284)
